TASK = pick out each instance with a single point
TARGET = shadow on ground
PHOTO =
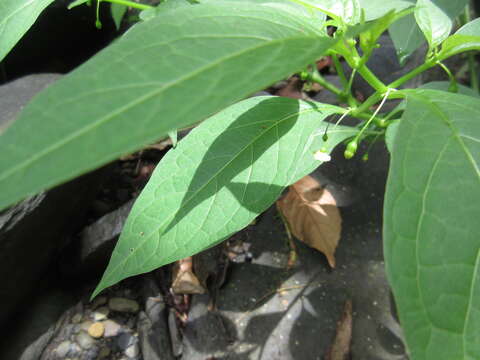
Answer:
(265, 311)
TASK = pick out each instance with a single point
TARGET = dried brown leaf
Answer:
(340, 348)
(312, 215)
(184, 280)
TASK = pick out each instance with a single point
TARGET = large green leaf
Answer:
(406, 34)
(432, 227)
(435, 24)
(392, 129)
(16, 17)
(350, 11)
(467, 38)
(171, 71)
(218, 178)
(375, 9)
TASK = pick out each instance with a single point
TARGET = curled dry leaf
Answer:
(340, 348)
(312, 216)
(184, 280)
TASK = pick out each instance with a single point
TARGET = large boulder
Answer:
(33, 231)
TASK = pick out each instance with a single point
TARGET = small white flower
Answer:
(322, 156)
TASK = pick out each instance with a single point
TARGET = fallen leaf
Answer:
(340, 348)
(184, 280)
(312, 216)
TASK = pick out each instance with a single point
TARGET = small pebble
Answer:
(62, 349)
(123, 305)
(76, 318)
(99, 301)
(75, 349)
(125, 340)
(132, 351)
(104, 352)
(96, 330)
(111, 328)
(86, 325)
(101, 313)
(84, 340)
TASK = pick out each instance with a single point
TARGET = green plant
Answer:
(185, 62)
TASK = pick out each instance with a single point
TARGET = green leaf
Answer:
(16, 17)
(444, 86)
(375, 9)
(434, 85)
(344, 11)
(317, 18)
(369, 37)
(431, 227)
(467, 38)
(219, 177)
(407, 36)
(78, 3)
(118, 12)
(163, 74)
(165, 5)
(435, 24)
(391, 134)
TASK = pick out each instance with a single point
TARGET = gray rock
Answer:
(123, 305)
(40, 322)
(33, 231)
(207, 333)
(112, 328)
(101, 313)
(125, 340)
(94, 248)
(152, 327)
(16, 94)
(132, 351)
(84, 340)
(177, 346)
(63, 348)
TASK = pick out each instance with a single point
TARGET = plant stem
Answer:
(412, 74)
(319, 79)
(371, 78)
(340, 72)
(472, 64)
(385, 97)
(453, 87)
(130, 4)
(373, 99)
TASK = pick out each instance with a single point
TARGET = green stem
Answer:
(319, 79)
(373, 99)
(410, 75)
(371, 78)
(453, 87)
(359, 135)
(340, 72)
(472, 64)
(130, 4)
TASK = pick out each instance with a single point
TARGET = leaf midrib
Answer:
(214, 176)
(108, 117)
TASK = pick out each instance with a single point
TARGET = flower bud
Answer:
(351, 149)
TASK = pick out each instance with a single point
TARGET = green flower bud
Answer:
(351, 149)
